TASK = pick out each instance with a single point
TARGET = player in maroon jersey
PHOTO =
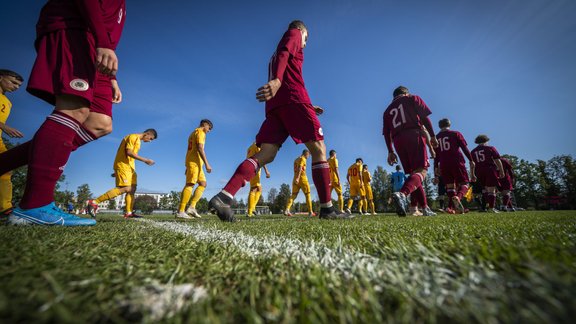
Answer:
(75, 71)
(507, 185)
(403, 121)
(450, 164)
(487, 168)
(289, 112)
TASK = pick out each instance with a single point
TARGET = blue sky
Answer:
(504, 68)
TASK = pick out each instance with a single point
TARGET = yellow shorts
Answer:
(2, 146)
(126, 177)
(336, 186)
(255, 181)
(194, 173)
(356, 190)
(368, 192)
(301, 185)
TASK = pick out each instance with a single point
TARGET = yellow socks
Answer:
(108, 195)
(184, 197)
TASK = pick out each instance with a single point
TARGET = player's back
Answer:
(5, 107)
(449, 143)
(355, 174)
(197, 137)
(405, 112)
(333, 163)
(366, 177)
(484, 155)
(300, 164)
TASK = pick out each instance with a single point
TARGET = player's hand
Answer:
(501, 175)
(473, 178)
(267, 174)
(149, 162)
(434, 141)
(269, 90)
(106, 61)
(392, 158)
(116, 93)
(297, 181)
(318, 110)
(208, 168)
(12, 132)
(432, 152)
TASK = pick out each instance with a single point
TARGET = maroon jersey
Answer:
(451, 145)
(507, 169)
(104, 19)
(286, 65)
(484, 156)
(405, 112)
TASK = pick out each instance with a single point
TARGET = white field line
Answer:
(427, 279)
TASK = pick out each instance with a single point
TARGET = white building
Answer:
(121, 200)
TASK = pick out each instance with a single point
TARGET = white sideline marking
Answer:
(426, 279)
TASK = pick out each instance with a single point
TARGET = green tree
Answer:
(272, 193)
(83, 193)
(174, 200)
(112, 204)
(145, 203)
(381, 188)
(562, 169)
(62, 198)
(527, 191)
(281, 199)
(202, 205)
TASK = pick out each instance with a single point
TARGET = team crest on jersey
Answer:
(320, 131)
(79, 85)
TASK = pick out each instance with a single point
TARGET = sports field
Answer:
(510, 267)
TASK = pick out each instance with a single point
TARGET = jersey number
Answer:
(3, 108)
(398, 112)
(480, 156)
(444, 144)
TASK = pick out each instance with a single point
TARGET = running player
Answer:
(368, 197)
(195, 159)
(10, 81)
(335, 179)
(507, 185)
(300, 182)
(289, 112)
(403, 121)
(488, 169)
(354, 177)
(125, 172)
(75, 71)
(255, 185)
(449, 163)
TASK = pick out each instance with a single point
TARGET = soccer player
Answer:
(300, 182)
(125, 172)
(449, 163)
(10, 81)
(354, 177)
(255, 185)
(369, 196)
(195, 159)
(487, 168)
(403, 121)
(507, 185)
(441, 192)
(397, 178)
(289, 112)
(335, 179)
(75, 71)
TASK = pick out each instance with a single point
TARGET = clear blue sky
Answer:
(504, 68)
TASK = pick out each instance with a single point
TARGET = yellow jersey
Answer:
(5, 108)
(253, 149)
(130, 142)
(355, 174)
(333, 163)
(300, 164)
(366, 177)
(198, 136)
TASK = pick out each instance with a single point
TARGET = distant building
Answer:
(121, 201)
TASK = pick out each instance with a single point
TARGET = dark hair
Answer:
(365, 166)
(152, 131)
(12, 74)
(206, 121)
(304, 151)
(297, 24)
(445, 122)
(332, 152)
(400, 91)
(481, 139)
(359, 160)
(398, 168)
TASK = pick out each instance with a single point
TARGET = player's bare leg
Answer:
(410, 185)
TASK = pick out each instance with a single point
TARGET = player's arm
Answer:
(472, 172)
(298, 173)
(106, 60)
(135, 156)
(12, 132)
(267, 172)
(116, 93)
(501, 173)
(200, 147)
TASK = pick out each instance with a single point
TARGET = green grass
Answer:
(512, 267)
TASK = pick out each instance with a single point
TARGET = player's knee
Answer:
(202, 183)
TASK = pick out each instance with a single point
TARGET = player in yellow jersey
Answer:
(369, 197)
(255, 185)
(125, 172)
(195, 160)
(9, 81)
(335, 179)
(300, 182)
(354, 178)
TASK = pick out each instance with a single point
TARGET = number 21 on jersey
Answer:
(398, 112)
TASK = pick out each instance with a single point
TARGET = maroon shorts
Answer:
(488, 177)
(297, 120)
(455, 173)
(65, 64)
(411, 146)
(505, 184)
